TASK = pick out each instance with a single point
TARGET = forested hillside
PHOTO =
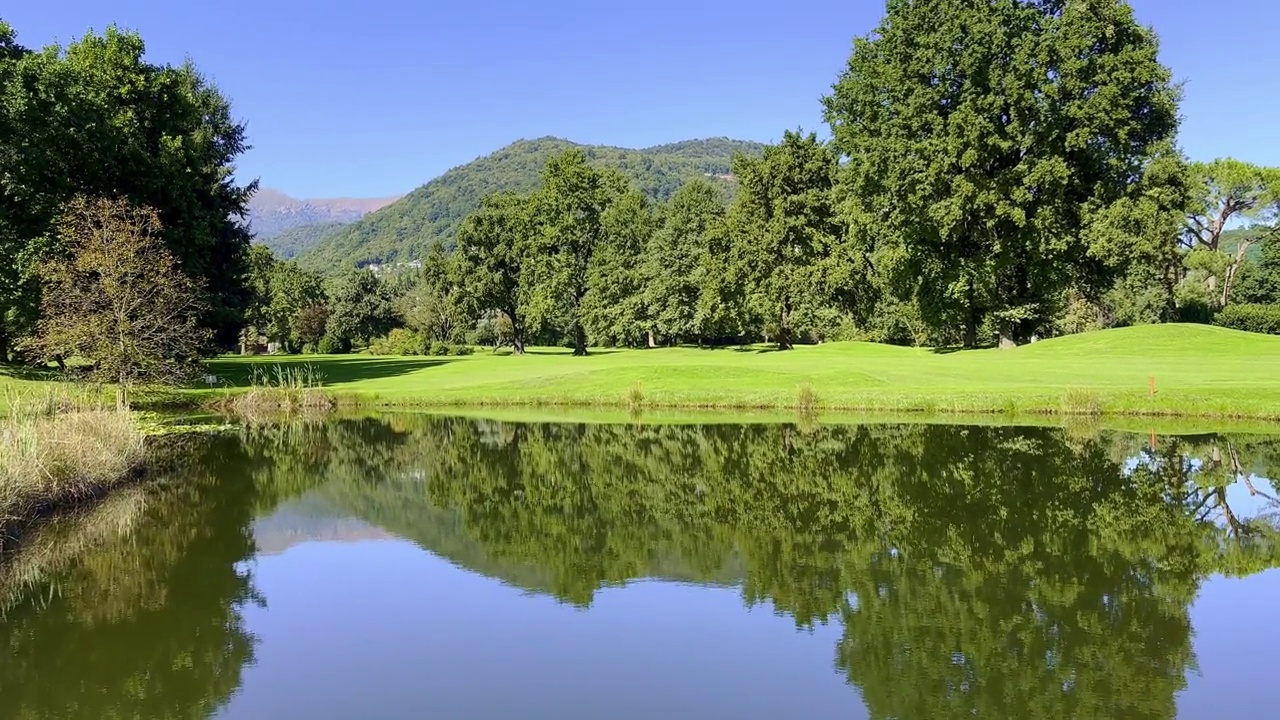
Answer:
(291, 242)
(432, 213)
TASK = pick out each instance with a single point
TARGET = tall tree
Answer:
(492, 243)
(11, 239)
(982, 135)
(116, 298)
(259, 266)
(436, 306)
(1230, 192)
(570, 211)
(1143, 231)
(362, 309)
(676, 260)
(787, 208)
(613, 310)
(96, 119)
(293, 291)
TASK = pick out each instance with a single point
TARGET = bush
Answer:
(332, 345)
(442, 349)
(398, 342)
(1253, 318)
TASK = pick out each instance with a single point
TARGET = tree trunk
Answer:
(1229, 280)
(784, 325)
(122, 397)
(517, 332)
(653, 342)
(579, 340)
(1169, 283)
(1007, 340)
(4, 344)
(970, 320)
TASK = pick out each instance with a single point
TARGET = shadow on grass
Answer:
(562, 352)
(950, 349)
(334, 370)
(26, 372)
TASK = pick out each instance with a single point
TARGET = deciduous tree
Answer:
(116, 298)
(95, 119)
(437, 307)
(613, 310)
(676, 262)
(788, 224)
(569, 213)
(362, 308)
(1230, 191)
(981, 135)
(492, 243)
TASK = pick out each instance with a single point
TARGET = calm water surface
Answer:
(414, 567)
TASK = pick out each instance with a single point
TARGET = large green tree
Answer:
(492, 243)
(982, 135)
(362, 309)
(570, 215)
(95, 119)
(676, 262)
(786, 223)
(614, 310)
(437, 306)
(1260, 283)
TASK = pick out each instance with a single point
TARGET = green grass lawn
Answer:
(1199, 371)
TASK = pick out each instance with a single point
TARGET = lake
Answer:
(414, 566)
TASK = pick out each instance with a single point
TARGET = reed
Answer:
(60, 449)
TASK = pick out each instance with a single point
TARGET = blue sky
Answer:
(375, 98)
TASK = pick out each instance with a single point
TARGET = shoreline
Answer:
(1090, 404)
(597, 410)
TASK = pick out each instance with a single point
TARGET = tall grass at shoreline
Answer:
(280, 389)
(56, 449)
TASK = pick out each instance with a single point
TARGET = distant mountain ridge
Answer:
(273, 213)
(403, 230)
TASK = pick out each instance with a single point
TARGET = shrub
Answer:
(333, 345)
(1250, 317)
(398, 342)
(442, 349)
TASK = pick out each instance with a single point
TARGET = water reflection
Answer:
(970, 570)
(145, 621)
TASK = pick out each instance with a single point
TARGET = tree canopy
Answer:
(983, 137)
(94, 119)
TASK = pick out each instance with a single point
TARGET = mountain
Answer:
(273, 213)
(403, 230)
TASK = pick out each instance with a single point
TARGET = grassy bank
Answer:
(1199, 371)
(52, 456)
